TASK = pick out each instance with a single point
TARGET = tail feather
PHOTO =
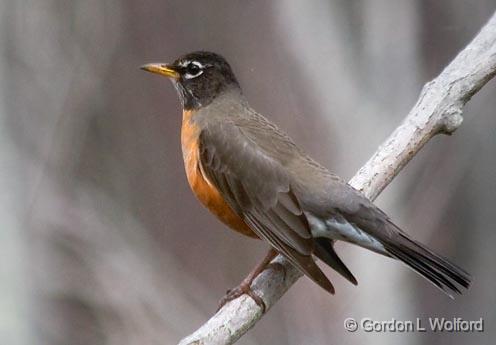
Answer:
(324, 250)
(438, 270)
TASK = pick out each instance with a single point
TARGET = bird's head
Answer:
(198, 77)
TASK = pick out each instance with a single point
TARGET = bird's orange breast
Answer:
(205, 191)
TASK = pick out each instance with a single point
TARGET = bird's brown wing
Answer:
(258, 189)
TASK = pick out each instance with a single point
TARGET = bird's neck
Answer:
(193, 99)
(229, 104)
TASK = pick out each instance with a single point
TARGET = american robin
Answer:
(256, 180)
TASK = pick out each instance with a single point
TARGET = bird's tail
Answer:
(439, 271)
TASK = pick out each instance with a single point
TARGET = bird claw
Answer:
(242, 289)
(245, 287)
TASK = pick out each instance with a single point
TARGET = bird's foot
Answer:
(242, 289)
(245, 287)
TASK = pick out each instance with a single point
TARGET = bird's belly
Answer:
(205, 191)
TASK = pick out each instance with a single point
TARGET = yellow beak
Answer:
(162, 69)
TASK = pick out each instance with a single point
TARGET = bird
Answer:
(251, 175)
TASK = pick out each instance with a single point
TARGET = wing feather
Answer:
(257, 187)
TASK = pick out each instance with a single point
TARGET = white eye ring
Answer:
(188, 75)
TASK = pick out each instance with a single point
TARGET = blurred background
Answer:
(102, 241)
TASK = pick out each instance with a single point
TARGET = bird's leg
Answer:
(245, 286)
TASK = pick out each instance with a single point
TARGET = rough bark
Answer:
(438, 110)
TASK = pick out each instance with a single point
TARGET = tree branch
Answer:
(438, 110)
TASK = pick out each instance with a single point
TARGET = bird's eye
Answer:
(193, 69)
